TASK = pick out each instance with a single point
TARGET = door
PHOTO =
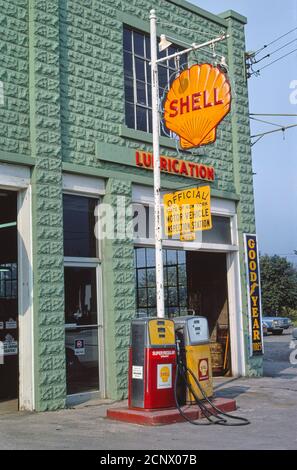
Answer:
(9, 359)
(83, 327)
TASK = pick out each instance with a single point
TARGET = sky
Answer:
(274, 156)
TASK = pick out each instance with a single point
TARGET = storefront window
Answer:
(175, 281)
(137, 78)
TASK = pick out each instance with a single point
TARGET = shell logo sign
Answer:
(165, 374)
(203, 369)
(198, 100)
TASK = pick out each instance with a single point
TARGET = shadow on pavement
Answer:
(231, 392)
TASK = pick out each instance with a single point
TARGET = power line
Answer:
(284, 128)
(255, 72)
(274, 52)
(273, 114)
(267, 122)
(274, 41)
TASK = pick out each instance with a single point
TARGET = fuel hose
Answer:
(213, 414)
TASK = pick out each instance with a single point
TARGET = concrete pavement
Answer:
(270, 403)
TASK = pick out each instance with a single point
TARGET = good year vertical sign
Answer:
(254, 294)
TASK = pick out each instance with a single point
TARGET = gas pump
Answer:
(152, 363)
(193, 381)
(193, 336)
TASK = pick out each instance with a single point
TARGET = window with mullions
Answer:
(137, 77)
(175, 281)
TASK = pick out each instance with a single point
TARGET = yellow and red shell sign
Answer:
(198, 100)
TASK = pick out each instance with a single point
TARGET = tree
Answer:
(279, 285)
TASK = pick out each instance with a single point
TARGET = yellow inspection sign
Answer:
(187, 212)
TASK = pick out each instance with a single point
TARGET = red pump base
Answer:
(166, 416)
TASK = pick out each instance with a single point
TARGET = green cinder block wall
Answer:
(62, 70)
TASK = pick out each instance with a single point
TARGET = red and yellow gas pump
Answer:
(152, 364)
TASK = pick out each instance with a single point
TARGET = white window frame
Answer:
(17, 178)
(85, 186)
(170, 72)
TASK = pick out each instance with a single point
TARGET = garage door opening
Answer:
(194, 283)
(208, 297)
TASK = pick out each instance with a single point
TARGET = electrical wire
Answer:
(267, 122)
(284, 128)
(274, 52)
(274, 41)
(255, 72)
(287, 115)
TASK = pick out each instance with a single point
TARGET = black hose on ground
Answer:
(182, 370)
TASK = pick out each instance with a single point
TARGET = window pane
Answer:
(161, 54)
(172, 296)
(142, 298)
(129, 115)
(163, 77)
(129, 92)
(161, 93)
(173, 312)
(152, 312)
(127, 39)
(141, 96)
(150, 257)
(172, 276)
(183, 60)
(171, 257)
(80, 296)
(220, 232)
(181, 256)
(141, 118)
(183, 296)
(151, 297)
(128, 64)
(182, 274)
(138, 43)
(141, 277)
(82, 360)
(140, 257)
(147, 47)
(79, 225)
(151, 277)
(139, 69)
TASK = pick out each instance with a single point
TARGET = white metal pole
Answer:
(157, 177)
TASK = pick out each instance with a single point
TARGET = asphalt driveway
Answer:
(270, 403)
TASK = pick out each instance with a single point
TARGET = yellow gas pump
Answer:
(193, 336)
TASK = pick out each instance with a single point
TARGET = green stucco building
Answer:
(75, 112)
